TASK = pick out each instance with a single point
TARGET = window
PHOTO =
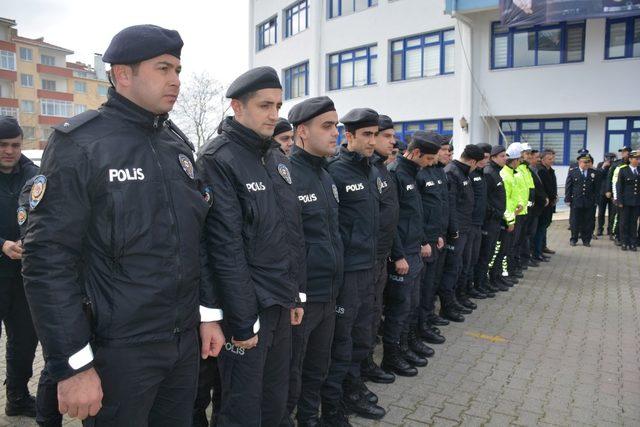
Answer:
(48, 60)
(406, 129)
(79, 108)
(49, 85)
(295, 81)
(102, 90)
(267, 33)
(26, 54)
(27, 107)
(54, 107)
(46, 133)
(79, 87)
(9, 111)
(296, 18)
(622, 38)
(622, 132)
(28, 132)
(538, 45)
(353, 68)
(564, 136)
(347, 7)
(26, 80)
(7, 60)
(426, 55)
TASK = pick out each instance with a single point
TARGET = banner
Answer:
(534, 12)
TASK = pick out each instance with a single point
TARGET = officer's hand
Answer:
(608, 194)
(212, 339)
(402, 266)
(81, 395)
(425, 251)
(440, 243)
(511, 228)
(519, 209)
(296, 316)
(12, 250)
(248, 344)
(546, 202)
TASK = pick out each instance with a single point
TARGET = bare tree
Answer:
(200, 107)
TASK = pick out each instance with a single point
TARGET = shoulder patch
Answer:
(175, 129)
(75, 122)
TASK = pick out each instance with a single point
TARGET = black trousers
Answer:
(529, 226)
(500, 262)
(490, 233)
(21, 336)
(148, 384)
(403, 296)
(352, 335)
(209, 393)
(582, 223)
(453, 264)
(429, 285)
(604, 205)
(47, 413)
(472, 254)
(628, 225)
(255, 382)
(311, 358)
(512, 252)
(378, 297)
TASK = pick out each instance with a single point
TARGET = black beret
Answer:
(254, 80)
(360, 118)
(426, 142)
(473, 152)
(486, 148)
(445, 139)
(9, 127)
(142, 42)
(384, 123)
(310, 108)
(610, 156)
(282, 125)
(399, 144)
(497, 149)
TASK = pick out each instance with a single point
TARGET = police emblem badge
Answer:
(283, 170)
(37, 190)
(22, 215)
(335, 192)
(187, 166)
(207, 196)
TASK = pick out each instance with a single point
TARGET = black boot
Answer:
(429, 335)
(411, 357)
(498, 284)
(474, 292)
(482, 287)
(369, 371)
(310, 422)
(364, 390)
(334, 414)
(416, 344)
(20, 402)
(466, 305)
(356, 403)
(449, 311)
(436, 320)
(393, 361)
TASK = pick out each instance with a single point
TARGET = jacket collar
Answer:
(354, 157)
(308, 158)
(246, 137)
(132, 112)
(464, 168)
(412, 167)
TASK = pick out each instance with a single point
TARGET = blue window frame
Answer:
(350, 68)
(425, 55)
(564, 136)
(538, 45)
(406, 129)
(267, 33)
(296, 18)
(337, 8)
(296, 81)
(622, 132)
(622, 39)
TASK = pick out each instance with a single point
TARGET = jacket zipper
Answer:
(327, 204)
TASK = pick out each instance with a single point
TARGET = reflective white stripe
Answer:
(81, 358)
(256, 326)
(210, 314)
(302, 296)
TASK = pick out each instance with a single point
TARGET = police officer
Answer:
(15, 170)
(540, 202)
(605, 203)
(359, 190)
(612, 179)
(627, 197)
(580, 193)
(256, 246)
(283, 135)
(452, 294)
(385, 140)
(316, 133)
(522, 189)
(403, 350)
(90, 229)
(522, 253)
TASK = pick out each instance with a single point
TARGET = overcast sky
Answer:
(215, 32)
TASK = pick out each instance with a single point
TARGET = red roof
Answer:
(40, 42)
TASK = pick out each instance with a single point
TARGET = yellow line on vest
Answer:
(492, 338)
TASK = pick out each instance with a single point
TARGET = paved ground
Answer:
(562, 348)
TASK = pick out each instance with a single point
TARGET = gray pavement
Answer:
(561, 348)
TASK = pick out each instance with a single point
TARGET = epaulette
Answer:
(75, 122)
(175, 129)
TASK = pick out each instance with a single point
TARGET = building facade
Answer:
(40, 88)
(450, 66)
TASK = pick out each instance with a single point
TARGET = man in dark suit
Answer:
(580, 193)
(548, 178)
(605, 203)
